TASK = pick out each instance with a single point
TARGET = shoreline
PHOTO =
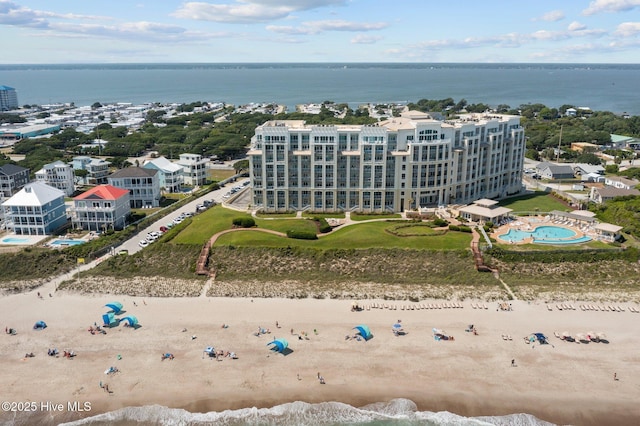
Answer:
(564, 383)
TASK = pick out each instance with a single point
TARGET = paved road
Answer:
(132, 246)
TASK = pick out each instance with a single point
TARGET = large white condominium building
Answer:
(402, 163)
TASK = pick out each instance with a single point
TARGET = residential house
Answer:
(606, 193)
(59, 175)
(170, 173)
(143, 186)
(97, 169)
(620, 182)
(101, 208)
(554, 171)
(194, 169)
(37, 209)
(582, 169)
(12, 179)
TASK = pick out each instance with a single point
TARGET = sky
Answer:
(219, 31)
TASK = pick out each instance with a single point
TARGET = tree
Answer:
(96, 105)
(241, 165)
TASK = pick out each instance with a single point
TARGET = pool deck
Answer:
(530, 223)
(26, 240)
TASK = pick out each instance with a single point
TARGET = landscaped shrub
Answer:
(459, 228)
(302, 235)
(323, 225)
(244, 222)
(438, 222)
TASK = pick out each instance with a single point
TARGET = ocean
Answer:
(398, 412)
(601, 87)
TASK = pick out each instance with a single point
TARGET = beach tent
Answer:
(131, 320)
(279, 345)
(116, 307)
(210, 351)
(109, 320)
(541, 338)
(40, 325)
(364, 331)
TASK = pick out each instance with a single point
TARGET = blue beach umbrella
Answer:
(364, 331)
(133, 321)
(116, 307)
(279, 345)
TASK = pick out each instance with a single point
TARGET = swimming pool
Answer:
(544, 235)
(66, 242)
(15, 240)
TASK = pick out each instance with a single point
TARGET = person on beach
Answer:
(513, 362)
(615, 376)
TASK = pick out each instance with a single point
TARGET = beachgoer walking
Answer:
(513, 362)
(318, 375)
(615, 376)
(277, 325)
(292, 331)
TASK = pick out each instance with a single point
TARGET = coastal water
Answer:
(601, 87)
(398, 412)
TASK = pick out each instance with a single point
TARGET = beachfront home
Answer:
(97, 169)
(620, 182)
(143, 186)
(582, 169)
(59, 175)
(101, 208)
(554, 171)
(170, 173)
(607, 232)
(402, 163)
(12, 179)
(606, 193)
(483, 211)
(37, 209)
(194, 169)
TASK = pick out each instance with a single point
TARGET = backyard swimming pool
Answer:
(544, 235)
(66, 242)
(15, 240)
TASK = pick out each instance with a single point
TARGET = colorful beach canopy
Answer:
(364, 331)
(279, 345)
(109, 319)
(133, 321)
(116, 307)
(40, 325)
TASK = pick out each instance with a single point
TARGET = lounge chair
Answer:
(620, 309)
(473, 305)
(559, 307)
(549, 308)
(485, 306)
(582, 307)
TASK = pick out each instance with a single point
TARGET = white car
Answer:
(143, 243)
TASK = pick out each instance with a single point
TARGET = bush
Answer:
(302, 235)
(323, 225)
(460, 228)
(244, 222)
(440, 222)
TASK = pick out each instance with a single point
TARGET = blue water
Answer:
(398, 412)
(601, 87)
(14, 240)
(66, 242)
(544, 235)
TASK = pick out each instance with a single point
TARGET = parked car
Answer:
(143, 243)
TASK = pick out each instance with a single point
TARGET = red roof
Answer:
(103, 192)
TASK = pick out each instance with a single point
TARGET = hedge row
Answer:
(302, 235)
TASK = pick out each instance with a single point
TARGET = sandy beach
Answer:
(563, 383)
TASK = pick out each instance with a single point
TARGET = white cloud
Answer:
(248, 11)
(598, 6)
(628, 29)
(13, 14)
(365, 39)
(316, 27)
(553, 16)
(576, 26)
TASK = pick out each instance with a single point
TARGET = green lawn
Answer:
(538, 201)
(359, 217)
(366, 235)
(206, 224)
